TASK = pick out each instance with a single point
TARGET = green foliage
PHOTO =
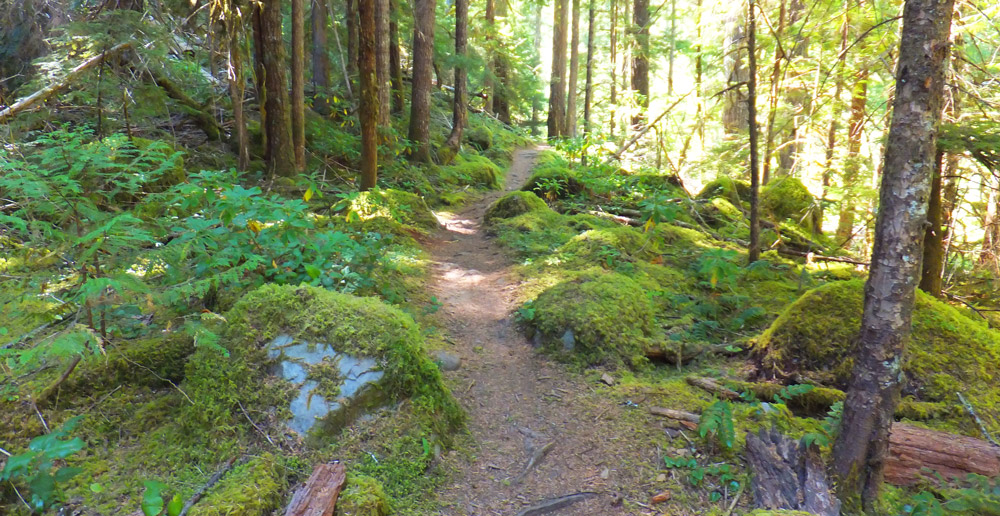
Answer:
(37, 469)
(553, 182)
(697, 474)
(787, 198)
(363, 496)
(153, 503)
(718, 267)
(975, 495)
(717, 422)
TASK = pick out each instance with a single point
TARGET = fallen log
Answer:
(50, 90)
(788, 475)
(318, 497)
(678, 415)
(206, 122)
(710, 385)
(911, 449)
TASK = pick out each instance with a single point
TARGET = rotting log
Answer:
(911, 449)
(788, 475)
(50, 90)
(678, 415)
(318, 497)
(710, 385)
(206, 122)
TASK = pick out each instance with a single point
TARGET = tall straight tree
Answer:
(501, 96)
(299, 83)
(351, 22)
(382, 61)
(574, 64)
(557, 84)
(395, 64)
(613, 49)
(754, 252)
(640, 60)
(237, 83)
(320, 58)
(423, 70)
(369, 104)
(588, 92)
(277, 123)
(461, 88)
(489, 81)
(873, 392)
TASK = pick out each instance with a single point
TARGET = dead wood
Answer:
(45, 93)
(319, 496)
(712, 386)
(206, 122)
(208, 485)
(911, 449)
(535, 460)
(678, 415)
(554, 504)
(788, 475)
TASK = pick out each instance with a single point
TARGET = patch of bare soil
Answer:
(540, 431)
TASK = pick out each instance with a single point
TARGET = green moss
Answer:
(157, 151)
(363, 496)
(154, 361)
(733, 190)
(813, 340)
(609, 316)
(514, 204)
(787, 198)
(479, 137)
(475, 171)
(396, 205)
(255, 488)
(720, 212)
(778, 512)
(607, 245)
(355, 325)
(553, 182)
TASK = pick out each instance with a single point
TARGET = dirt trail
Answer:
(519, 401)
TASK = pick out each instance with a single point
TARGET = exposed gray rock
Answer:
(447, 361)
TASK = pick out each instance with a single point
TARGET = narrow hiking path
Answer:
(520, 403)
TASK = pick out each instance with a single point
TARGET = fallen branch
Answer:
(206, 122)
(319, 496)
(713, 387)
(535, 460)
(644, 130)
(554, 504)
(50, 90)
(972, 412)
(678, 415)
(214, 479)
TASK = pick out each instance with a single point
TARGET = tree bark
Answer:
(382, 67)
(318, 497)
(557, 84)
(536, 103)
(574, 65)
(933, 261)
(613, 47)
(459, 114)
(277, 124)
(911, 449)
(860, 450)
(423, 70)
(501, 96)
(774, 94)
(588, 93)
(299, 83)
(395, 63)
(237, 84)
(753, 253)
(734, 115)
(351, 21)
(640, 60)
(369, 102)
(491, 51)
(320, 57)
(852, 162)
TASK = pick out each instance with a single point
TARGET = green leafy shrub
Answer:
(553, 182)
(36, 468)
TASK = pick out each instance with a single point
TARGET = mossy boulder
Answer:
(397, 205)
(719, 212)
(363, 496)
(606, 245)
(553, 182)
(329, 324)
(600, 317)
(512, 205)
(479, 137)
(735, 191)
(813, 340)
(476, 171)
(787, 198)
(254, 488)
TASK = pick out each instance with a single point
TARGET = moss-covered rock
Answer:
(397, 205)
(733, 190)
(605, 245)
(514, 204)
(553, 182)
(363, 496)
(719, 212)
(787, 198)
(356, 326)
(479, 136)
(255, 488)
(600, 317)
(476, 171)
(813, 340)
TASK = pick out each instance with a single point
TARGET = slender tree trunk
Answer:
(852, 162)
(461, 94)
(557, 85)
(277, 123)
(536, 103)
(299, 83)
(933, 264)
(831, 134)
(873, 393)
(754, 252)
(775, 93)
(698, 70)
(351, 22)
(369, 102)
(640, 61)
(734, 115)
(382, 73)
(613, 97)
(588, 93)
(798, 98)
(673, 47)
(501, 96)
(258, 77)
(320, 57)
(423, 70)
(574, 65)
(395, 62)
(237, 84)
(491, 51)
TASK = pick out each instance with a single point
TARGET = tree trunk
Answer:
(798, 98)
(395, 63)
(501, 96)
(382, 44)
(423, 70)
(320, 57)
(557, 84)
(754, 249)
(933, 264)
(237, 84)
(491, 51)
(574, 65)
(588, 94)
(673, 48)
(461, 88)
(351, 21)
(734, 115)
(277, 123)
(852, 162)
(536, 103)
(640, 60)
(873, 393)
(299, 83)
(369, 101)
(613, 97)
(774, 94)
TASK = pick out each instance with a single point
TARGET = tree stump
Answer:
(788, 475)
(319, 496)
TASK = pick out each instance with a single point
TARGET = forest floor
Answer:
(521, 404)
